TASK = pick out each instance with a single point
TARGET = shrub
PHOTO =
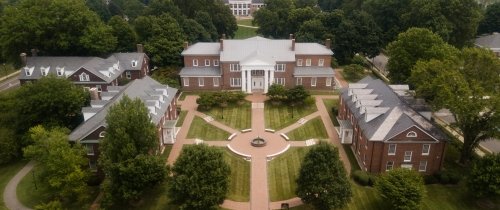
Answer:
(362, 178)
(353, 72)
(430, 179)
(309, 101)
(448, 177)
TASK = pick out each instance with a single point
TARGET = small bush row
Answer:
(364, 178)
(207, 100)
(443, 177)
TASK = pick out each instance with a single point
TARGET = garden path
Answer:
(10, 194)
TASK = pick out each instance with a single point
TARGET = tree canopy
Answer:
(200, 178)
(468, 87)
(483, 179)
(491, 20)
(322, 180)
(126, 36)
(401, 188)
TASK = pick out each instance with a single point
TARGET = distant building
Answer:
(491, 42)
(89, 72)
(244, 7)
(253, 64)
(159, 99)
(387, 128)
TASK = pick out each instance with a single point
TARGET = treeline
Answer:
(366, 27)
(97, 27)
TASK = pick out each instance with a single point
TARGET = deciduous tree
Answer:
(322, 180)
(276, 92)
(200, 178)
(483, 179)
(127, 38)
(401, 188)
(491, 20)
(166, 41)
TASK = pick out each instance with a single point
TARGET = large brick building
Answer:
(253, 64)
(159, 99)
(387, 128)
(244, 7)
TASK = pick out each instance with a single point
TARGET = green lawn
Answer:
(247, 22)
(244, 32)
(30, 196)
(202, 130)
(239, 184)
(350, 156)
(280, 116)
(329, 104)
(235, 116)
(166, 152)
(282, 173)
(181, 118)
(7, 171)
(314, 128)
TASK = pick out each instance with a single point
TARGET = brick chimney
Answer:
(328, 43)
(140, 48)
(223, 36)
(291, 36)
(221, 44)
(34, 52)
(293, 44)
(23, 59)
(186, 45)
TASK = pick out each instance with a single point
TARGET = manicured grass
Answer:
(166, 152)
(235, 116)
(282, 173)
(202, 130)
(329, 104)
(247, 22)
(181, 118)
(352, 159)
(239, 184)
(280, 116)
(154, 199)
(323, 92)
(314, 128)
(189, 93)
(30, 196)
(7, 171)
(244, 32)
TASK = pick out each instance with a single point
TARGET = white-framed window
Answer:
(328, 81)
(314, 80)
(201, 81)
(389, 166)
(407, 166)
(27, 71)
(92, 165)
(279, 80)
(308, 62)
(134, 63)
(234, 67)
(411, 134)
(99, 88)
(60, 71)
(102, 134)
(235, 82)
(90, 149)
(280, 67)
(407, 157)
(426, 148)
(207, 62)
(299, 81)
(185, 81)
(195, 62)
(392, 149)
(216, 62)
(364, 159)
(321, 62)
(216, 81)
(423, 166)
(299, 62)
(44, 71)
(84, 77)
(128, 75)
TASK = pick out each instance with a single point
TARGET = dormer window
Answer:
(60, 71)
(134, 63)
(84, 77)
(27, 70)
(44, 71)
(411, 134)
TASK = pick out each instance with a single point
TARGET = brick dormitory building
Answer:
(387, 128)
(253, 64)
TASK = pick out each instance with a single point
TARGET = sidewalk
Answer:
(10, 194)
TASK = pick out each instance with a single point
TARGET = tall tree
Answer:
(468, 87)
(166, 41)
(9, 146)
(205, 20)
(62, 166)
(194, 31)
(322, 180)
(387, 14)
(54, 27)
(298, 16)
(483, 180)
(464, 16)
(330, 5)
(127, 152)
(50, 102)
(273, 19)
(127, 38)
(305, 3)
(200, 178)
(401, 188)
(413, 45)
(491, 20)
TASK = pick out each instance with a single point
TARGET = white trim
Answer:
(389, 149)
(128, 74)
(201, 81)
(428, 149)
(89, 149)
(195, 62)
(387, 165)
(406, 154)
(409, 128)
(315, 79)
(411, 134)
(299, 62)
(308, 62)
(207, 62)
(321, 62)
(233, 69)
(216, 62)
(328, 81)
(424, 165)
(297, 81)
(102, 134)
(216, 84)
(185, 81)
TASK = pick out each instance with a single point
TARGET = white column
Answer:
(243, 81)
(266, 80)
(271, 78)
(249, 81)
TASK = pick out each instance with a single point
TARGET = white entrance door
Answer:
(257, 83)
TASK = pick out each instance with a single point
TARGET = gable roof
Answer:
(390, 115)
(491, 41)
(146, 89)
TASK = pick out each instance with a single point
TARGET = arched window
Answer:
(102, 134)
(411, 134)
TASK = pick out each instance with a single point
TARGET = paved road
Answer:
(9, 83)
(10, 194)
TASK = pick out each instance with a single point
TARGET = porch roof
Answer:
(200, 72)
(313, 71)
(345, 124)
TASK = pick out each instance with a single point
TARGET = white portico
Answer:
(257, 74)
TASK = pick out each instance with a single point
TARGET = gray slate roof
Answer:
(395, 120)
(311, 49)
(314, 71)
(93, 64)
(491, 41)
(140, 88)
(200, 71)
(203, 48)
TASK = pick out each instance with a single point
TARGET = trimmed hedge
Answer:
(364, 178)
